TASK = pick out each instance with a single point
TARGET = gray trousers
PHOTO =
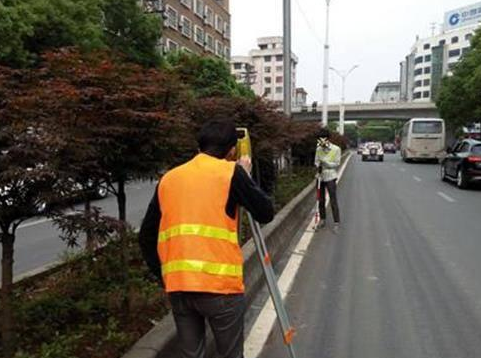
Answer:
(331, 187)
(225, 314)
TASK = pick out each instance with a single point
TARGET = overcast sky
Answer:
(374, 34)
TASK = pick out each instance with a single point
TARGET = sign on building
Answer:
(464, 16)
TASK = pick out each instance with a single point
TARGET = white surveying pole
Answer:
(342, 108)
(325, 86)
(287, 59)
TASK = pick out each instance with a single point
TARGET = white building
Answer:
(263, 69)
(386, 92)
(433, 57)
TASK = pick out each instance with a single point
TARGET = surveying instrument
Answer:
(244, 150)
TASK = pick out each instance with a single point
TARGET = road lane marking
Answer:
(262, 327)
(446, 197)
(33, 223)
(418, 179)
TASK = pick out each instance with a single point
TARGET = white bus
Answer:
(423, 139)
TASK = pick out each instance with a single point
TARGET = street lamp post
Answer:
(325, 87)
(342, 108)
(287, 59)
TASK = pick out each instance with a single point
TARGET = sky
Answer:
(376, 35)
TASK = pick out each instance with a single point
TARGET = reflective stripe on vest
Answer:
(202, 266)
(198, 230)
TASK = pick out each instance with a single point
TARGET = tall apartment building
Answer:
(197, 26)
(263, 69)
(433, 57)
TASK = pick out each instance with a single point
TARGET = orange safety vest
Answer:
(198, 244)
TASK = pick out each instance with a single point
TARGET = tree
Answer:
(459, 99)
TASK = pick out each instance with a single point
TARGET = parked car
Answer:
(373, 151)
(389, 148)
(462, 163)
(360, 147)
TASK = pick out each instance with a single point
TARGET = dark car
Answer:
(463, 163)
(389, 148)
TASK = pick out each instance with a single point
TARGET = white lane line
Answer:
(418, 179)
(265, 321)
(446, 197)
(33, 223)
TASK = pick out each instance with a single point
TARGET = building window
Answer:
(468, 37)
(209, 16)
(427, 70)
(427, 58)
(219, 49)
(263, 47)
(172, 45)
(186, 27)
(267, 91)
(427, 82)
(455, 40)
(199, 35)
(418, 83)
(417, 95)
(278, 58)
(454, 53)
(427, 46)
(227, 52)
(226, 30)
(199, 8)
(418, 60)
(267, 69)
(219, 24)
(451, 66)
(187, 3)
(418, 72)
(442, 42)
(426, 94)
(172, 18)
(267, 58)
(268, 80)
(279, 68)
(278, 89)
(279, 79)
(209, 43)
(466, 50)
(237, 66)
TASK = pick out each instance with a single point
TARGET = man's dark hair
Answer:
(217, 137)
(324, 133)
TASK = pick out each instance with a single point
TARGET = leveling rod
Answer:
(243, 150)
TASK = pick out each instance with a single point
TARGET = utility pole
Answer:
(325, 87)
(249, 75)
(287, 59)
(342, 108)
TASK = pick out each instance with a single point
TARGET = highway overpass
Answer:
(369, 111)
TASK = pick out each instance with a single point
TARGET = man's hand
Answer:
(246, 163)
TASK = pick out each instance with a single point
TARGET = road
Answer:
(403, 277)
(38, 242)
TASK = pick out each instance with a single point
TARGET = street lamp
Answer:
(343, 76)
(325, 87)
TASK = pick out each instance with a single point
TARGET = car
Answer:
(462, 164)
(373, 151)
(360, 147)
(389, 148)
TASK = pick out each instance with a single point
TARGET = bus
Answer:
(423, 139)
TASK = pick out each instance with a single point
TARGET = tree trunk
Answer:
(8, 334)
(122, 200)
(89, 243)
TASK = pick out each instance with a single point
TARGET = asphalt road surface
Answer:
(38, 242)
(402, 279)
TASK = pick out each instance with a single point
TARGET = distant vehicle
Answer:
(463, 163)
(360, 147)
(373, 151)
(389, 147)
(423, 139)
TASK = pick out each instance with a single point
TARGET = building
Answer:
(264, 68)
(198, 26)
(433, 57)
(386, 92)
(301, 97)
